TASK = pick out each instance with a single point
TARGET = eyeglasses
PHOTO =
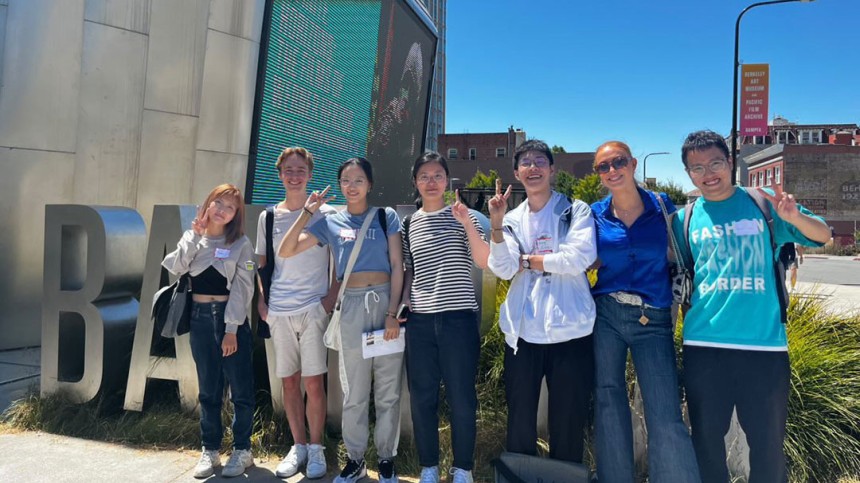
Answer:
(617, 163)
(359, 182)
(715, 166)
(425, 178)
(540, 162)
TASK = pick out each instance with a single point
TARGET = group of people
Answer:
(415, 274)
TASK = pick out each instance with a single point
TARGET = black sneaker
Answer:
(352, 471)
(386, 472)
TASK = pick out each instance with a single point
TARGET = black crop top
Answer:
(209, 282)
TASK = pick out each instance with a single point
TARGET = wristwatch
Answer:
(524, 262)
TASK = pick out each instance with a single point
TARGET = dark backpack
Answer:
(779, 265)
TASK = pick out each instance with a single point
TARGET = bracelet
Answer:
(493, 230)
(390, 314)
(309, 212)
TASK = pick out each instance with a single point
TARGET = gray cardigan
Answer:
(195, 253)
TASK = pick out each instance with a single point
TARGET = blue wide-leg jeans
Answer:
(670, 450)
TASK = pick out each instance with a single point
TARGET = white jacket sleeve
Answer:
(504, 260)
(578, 250)
(178, 261)
(241, 288)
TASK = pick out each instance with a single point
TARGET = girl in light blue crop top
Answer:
(369, 303)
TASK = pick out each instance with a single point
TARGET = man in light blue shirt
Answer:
(735, 349)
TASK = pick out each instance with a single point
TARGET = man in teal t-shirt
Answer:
(735, 349)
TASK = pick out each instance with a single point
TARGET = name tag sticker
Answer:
(746, 228)
(222, 253)
(543, 245)
(347, 234)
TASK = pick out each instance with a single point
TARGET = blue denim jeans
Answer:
(670, 449)
(443, 347)
(207, 332)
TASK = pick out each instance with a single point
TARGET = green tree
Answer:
(674, 190)
(556, 149)
(481, 180)
(565, 183)
(589, 189)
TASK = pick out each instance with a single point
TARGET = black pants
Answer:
(756, 384)
(569, 371)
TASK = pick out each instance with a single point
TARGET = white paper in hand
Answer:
(373, 344)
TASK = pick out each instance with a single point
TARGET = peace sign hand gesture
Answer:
(200, 222)
(460, 210)
(783, 203)
(498, 204)
(317, 199)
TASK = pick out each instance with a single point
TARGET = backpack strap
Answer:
(778, 267)
(565, 220)
(688, 253)
(405, 224)
(383, 221)
(268, 272)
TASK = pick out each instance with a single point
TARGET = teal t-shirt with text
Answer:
(735, 303)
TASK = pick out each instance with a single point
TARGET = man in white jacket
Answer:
(544, 246)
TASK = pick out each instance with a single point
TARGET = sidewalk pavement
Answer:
(844, 299)
(41, 457)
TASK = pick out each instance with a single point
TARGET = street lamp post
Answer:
(645, 165)
(451, 183)
(735, 82)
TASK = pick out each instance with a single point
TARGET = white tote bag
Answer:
(331, 338)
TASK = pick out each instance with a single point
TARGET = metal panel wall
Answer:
(228, 87)
(104, 97)
(177, 44)
(111, 107)
(166, 161)
(41, 68)
(126, 14)
(30, 180)
(242, 18)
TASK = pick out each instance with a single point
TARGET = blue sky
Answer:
(577, 73)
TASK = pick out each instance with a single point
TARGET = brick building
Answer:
(823, 177)
(469, 153)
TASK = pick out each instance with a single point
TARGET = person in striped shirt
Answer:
(440, 243)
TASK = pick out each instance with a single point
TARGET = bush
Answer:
(823, 429)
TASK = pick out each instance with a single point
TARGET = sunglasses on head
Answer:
(617, 163)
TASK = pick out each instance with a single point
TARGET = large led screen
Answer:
(343, 79)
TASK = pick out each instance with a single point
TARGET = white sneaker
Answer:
(295, 459)
(429, 474)
(316, 467)
(209, 460)
(461, 476)
(240, 460)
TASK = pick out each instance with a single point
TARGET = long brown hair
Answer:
(236, 228)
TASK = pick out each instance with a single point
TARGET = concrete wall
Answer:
(114, 102)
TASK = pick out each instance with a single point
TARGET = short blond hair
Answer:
(298, 151)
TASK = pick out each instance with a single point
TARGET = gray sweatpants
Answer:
(363, 309)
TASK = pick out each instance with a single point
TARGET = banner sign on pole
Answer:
(754, 93)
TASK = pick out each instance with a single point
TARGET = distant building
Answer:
(436, 120)
(783, 131)
(469, 153)
(823, 177)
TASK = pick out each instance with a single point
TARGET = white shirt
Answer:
(300, 281)
(555, 306)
